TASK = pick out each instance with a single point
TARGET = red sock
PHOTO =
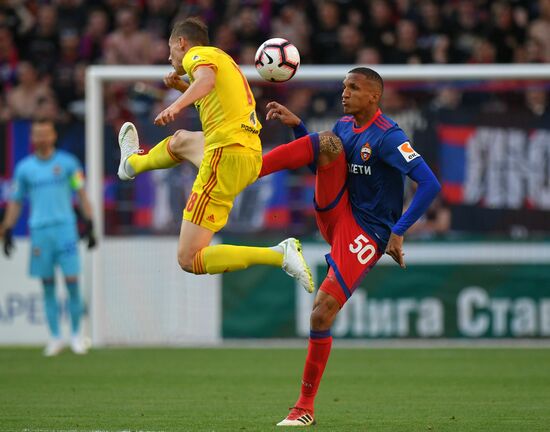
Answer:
(316, 360)
(293, 155)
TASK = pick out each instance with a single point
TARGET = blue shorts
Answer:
(54, 245)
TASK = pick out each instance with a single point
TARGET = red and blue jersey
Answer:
(379, 156)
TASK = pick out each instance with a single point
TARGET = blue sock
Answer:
(75, 306)
(51, 308)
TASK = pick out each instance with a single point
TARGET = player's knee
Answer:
(322, 317)
(180, 141)
(185, 262)
(330, 147)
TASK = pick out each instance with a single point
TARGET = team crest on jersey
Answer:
(253, 118)
(56, 170)
(407, 151)
(366, 151)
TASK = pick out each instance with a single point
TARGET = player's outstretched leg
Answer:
(228, 258)
(171, 151)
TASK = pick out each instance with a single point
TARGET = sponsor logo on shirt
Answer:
(250, 129)
(407, 151)
(366, 151)
(56, 170)
(359, 169)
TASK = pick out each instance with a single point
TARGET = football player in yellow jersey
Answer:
(227, 152)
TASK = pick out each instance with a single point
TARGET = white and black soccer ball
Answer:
(277, 60)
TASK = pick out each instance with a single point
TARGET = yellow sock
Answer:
(158, 157)
(227, 258)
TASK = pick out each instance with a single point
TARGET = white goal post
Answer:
(96, 76)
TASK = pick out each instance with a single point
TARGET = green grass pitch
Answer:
(251, 389)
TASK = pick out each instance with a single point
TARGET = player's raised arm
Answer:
(205, 79)
(276, 111)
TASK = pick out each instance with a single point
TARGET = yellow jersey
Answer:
(228, 112)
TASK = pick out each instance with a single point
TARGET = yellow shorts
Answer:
(223, 174)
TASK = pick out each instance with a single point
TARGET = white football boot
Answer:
(298, 417)
(294, 263)
(78, 346)
(128, 142)
(54, 347)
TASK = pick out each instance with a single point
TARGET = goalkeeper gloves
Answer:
(8, 242)
(88, 233)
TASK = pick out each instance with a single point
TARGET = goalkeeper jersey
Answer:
(49, 185)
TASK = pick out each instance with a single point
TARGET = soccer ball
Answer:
(277, 60)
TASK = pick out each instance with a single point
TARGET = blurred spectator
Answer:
(466, 28)
(432, 26)
(539, 29)
(350, 42)
(63, 76)
(379, 28)
(8, 59)
(226, 40)
(76, 107)
(42, 44)
(15, 15)
(441, 52)
(24, 100)
(127, 44)
(483, 52)
(247, 55)
(92, 40)
(71, 14)
(158, 17)
(209, 11)
(406, 50)
(504, 34)
(435, 222)
(292, 24)
(324, 40)
(368, 55)
(246, 27)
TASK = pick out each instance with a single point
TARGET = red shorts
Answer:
(353, 252)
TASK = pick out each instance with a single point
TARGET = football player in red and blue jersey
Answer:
(360, 175)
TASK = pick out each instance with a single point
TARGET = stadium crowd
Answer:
(46, 45)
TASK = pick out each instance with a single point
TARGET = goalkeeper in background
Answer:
(232, 157)
(48, 178)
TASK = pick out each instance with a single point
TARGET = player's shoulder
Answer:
(384, 123)
(345, 121)
(27, 163)
(198, 52)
